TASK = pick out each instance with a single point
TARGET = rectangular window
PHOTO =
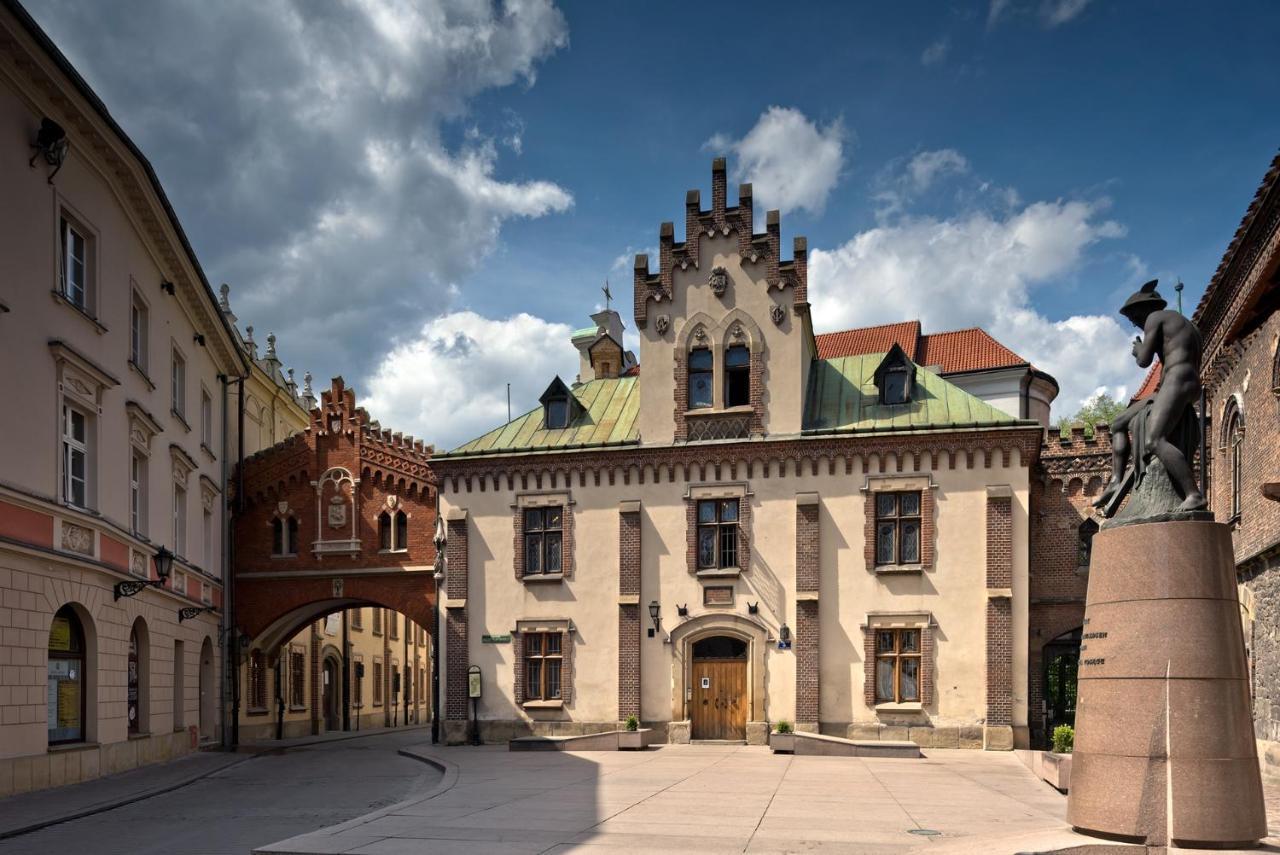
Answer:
(357, 618)
(207, 529)
(178, 401)
(206, 420)
(75, 456)
(897, 528)
(377, 621)
(897, 665)
(297, 678)
(179, 519)
(717, 534)
(75, 266)
(543, 540)
(138, 333)
(138, 492)
(737, 376)
(393, 624)
(543, 660)
(700, 379)
(377, 683)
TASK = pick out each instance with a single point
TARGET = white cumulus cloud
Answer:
(448, 384)
(936, 52)
(792, 162)
(980, 269)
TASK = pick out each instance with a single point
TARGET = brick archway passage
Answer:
(262, 602)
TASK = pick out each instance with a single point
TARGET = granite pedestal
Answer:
(1164, 747)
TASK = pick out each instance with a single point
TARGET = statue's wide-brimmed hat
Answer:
(1145, 298)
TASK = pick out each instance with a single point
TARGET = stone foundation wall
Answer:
(77, 763)
(1261, 582)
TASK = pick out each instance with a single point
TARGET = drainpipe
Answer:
(435, 642)
(224, 627)
(406, 670)
(280, 660)
(229, 585)
(346, 672)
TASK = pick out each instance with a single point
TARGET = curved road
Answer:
(268, 798)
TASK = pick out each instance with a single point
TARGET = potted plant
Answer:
(631, 738)
(783, 739)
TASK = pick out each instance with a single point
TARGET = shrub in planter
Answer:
(633, 723)
(1064, 739)
(783, 726)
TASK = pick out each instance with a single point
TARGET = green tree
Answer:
(1101, 408)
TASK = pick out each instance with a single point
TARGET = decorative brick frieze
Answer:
(999, 607)
(807, 662)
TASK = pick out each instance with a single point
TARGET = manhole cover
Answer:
(925, 832)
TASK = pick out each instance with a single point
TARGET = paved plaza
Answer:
(710, 799)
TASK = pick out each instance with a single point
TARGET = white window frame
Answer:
(179, 520)
(206, 419)
(208, 534)
(71, 446)
(178, 383)
(139, 330)
(68, 228)
(137, 491)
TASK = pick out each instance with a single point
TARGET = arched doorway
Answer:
(67, 687)
(330, 692)
(208, 692)
(719, 702)
(1061, 659)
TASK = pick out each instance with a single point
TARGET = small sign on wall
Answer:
(706, 682)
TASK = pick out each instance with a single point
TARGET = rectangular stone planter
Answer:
(1053, 769)
(782, 743)
(634, 740)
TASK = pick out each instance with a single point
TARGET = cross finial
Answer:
(607, 295)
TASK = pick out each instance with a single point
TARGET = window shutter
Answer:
(517, 647)
(566, 667)
(517, 525)
(926, 665)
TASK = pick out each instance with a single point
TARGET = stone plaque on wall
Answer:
(717, 595)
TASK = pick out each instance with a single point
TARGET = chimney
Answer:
(719, 189)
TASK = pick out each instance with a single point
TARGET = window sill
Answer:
(719, 573)
(297, 708)
(393, 551)
(898, 569)
(543, 705)
(181, 419)
(59, 297)
(256, 711)
(284, 555)
(909, 706)
(72, 746)
(134, 736)
(146, 378)
(542, 577)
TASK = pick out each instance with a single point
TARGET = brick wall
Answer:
(628, 614)
(806, 644)
(456, 654)
(999, 611)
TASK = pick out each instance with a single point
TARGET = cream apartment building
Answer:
(746, 526)
(115, 369)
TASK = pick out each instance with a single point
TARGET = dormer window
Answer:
(559, 406)
(737, 376)
(701, 374)
(895, 377)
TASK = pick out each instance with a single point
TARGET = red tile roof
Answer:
(1148, 387)
(865, 340)
(955, 352)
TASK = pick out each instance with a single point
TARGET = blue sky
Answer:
(426, 196)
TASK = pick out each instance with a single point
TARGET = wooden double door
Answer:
(719, 701)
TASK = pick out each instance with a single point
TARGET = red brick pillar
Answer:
(806, 634)
(629, 607)
(998, 733)
(456, 704)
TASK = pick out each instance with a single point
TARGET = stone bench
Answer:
(834, 746)
(609, 740)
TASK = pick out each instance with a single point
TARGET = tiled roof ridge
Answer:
(917, 348)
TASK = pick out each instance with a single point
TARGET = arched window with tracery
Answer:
(393, 531)
(1235, 453)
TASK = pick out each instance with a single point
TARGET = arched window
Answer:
(384, 531)
(284, 536)
(1235, 437)
(66, 678)
(401, 540)
(1087, 530)
(737, 376)
(701, 379)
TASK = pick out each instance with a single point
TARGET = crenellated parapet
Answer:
(1075, 455)
(738, 221)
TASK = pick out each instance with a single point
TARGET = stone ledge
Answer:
(801, 743)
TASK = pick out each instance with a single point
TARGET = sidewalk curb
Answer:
(103, 807)
(450, 772)
(255, 749)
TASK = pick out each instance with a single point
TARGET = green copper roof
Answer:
(842, 395)
(608, 417)
(591, 331)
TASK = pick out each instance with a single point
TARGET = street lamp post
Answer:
(441, 541)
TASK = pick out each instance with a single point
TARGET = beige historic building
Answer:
(114, 441)
(753, 524)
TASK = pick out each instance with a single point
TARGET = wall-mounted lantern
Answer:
(164, 566)
(167, 287)
(753, 608)
(655, 615)
(188, 612)
(683, 611)
(784, 637)
(51, 142)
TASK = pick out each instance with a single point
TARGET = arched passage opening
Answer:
(1061, 658)
(720, 660)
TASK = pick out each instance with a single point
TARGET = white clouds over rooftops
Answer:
(791, 162)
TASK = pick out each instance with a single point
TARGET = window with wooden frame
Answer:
(284, 536)
(543, 664)
(717, 534)
(393, 531)
(898, 655)
(75, 456)
(357, 619)
(377, 621)
(543, 540)
(377, 683)
(737, 376)
(393, 624)
(138, 492)
(139, 316)
(701, 379)
(75, 283)
(257, 681)
(206, 419)
(179, 520)
(297, 679)
(178, 385)
(898, 527)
